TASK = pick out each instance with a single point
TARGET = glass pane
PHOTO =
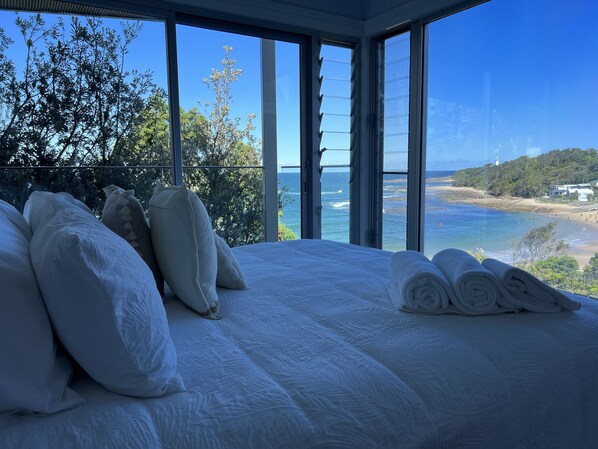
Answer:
(221, 126)
(393, 88)
(336, 204)
(335, 142)
(394, 212)
(288, 130)
(289, 220)
(234, 200)
(335, 105)
(87, 95)
(394, 101)
(512, 116)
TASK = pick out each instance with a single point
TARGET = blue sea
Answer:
(472, 228)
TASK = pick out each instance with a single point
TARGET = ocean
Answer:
(478, 229)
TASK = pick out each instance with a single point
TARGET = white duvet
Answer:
(313, 355)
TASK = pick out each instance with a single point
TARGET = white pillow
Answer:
(124, 215)
(11, 216)
(184, 245)
(229, 270)
(103, 303)
(33, 378)
(40, 205)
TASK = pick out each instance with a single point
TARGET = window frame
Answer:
(309, 137)
(416, 164)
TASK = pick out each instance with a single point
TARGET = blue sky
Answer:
(513, 77)
(506, 78)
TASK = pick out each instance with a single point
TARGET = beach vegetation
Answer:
(542, 254)
(538, 244)
(590, 271)
(563, 272)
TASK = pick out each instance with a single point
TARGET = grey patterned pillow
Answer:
(124, 215)
(229, 270)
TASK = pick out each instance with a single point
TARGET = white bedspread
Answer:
(313, 355)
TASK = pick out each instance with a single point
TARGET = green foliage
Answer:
(559, 271)
(284, 232)
(530, 177)
(73, 105)
(537, 244)
(563, 272)
(79, 121)
(590, 271)
(233, 197)
(540, 253)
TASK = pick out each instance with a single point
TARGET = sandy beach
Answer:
(585, 214)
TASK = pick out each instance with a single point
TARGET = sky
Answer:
(510, 78)
(505, 79)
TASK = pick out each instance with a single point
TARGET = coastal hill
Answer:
(530, 177)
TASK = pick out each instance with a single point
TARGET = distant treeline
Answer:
(530, 177)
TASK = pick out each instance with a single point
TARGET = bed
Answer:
(313, 355)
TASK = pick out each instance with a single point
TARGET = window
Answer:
(393, 137)
(82, 106)
(337, 101)
(288, 132)
(511, 137)
(221, 123)
(234, 127)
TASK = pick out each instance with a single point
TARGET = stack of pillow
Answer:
(180, 247)
(71, 283)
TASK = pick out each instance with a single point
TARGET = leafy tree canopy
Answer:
(537, 244)
(76, 120)
(530, 177)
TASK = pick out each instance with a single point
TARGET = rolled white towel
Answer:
(417, 285)
(529, 292)
(477, 290)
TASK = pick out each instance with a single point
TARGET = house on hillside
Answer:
(582, 191)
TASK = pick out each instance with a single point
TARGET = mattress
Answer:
(313, 355)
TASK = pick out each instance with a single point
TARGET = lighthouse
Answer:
(497, 163)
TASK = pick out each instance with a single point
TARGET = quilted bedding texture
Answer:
(313, 355)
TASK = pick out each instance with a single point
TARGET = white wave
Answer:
(341, 204)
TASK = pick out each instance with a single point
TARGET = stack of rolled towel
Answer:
(455, 282)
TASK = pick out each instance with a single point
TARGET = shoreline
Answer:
(576, 212)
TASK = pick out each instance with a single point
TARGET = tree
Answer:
(590, 271)
(530, 177)
(76, 120)
(540, 253)
(537, 244)
(233, 197)
(559, 271)
(74, 105)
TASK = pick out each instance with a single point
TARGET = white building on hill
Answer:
(583, 191)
